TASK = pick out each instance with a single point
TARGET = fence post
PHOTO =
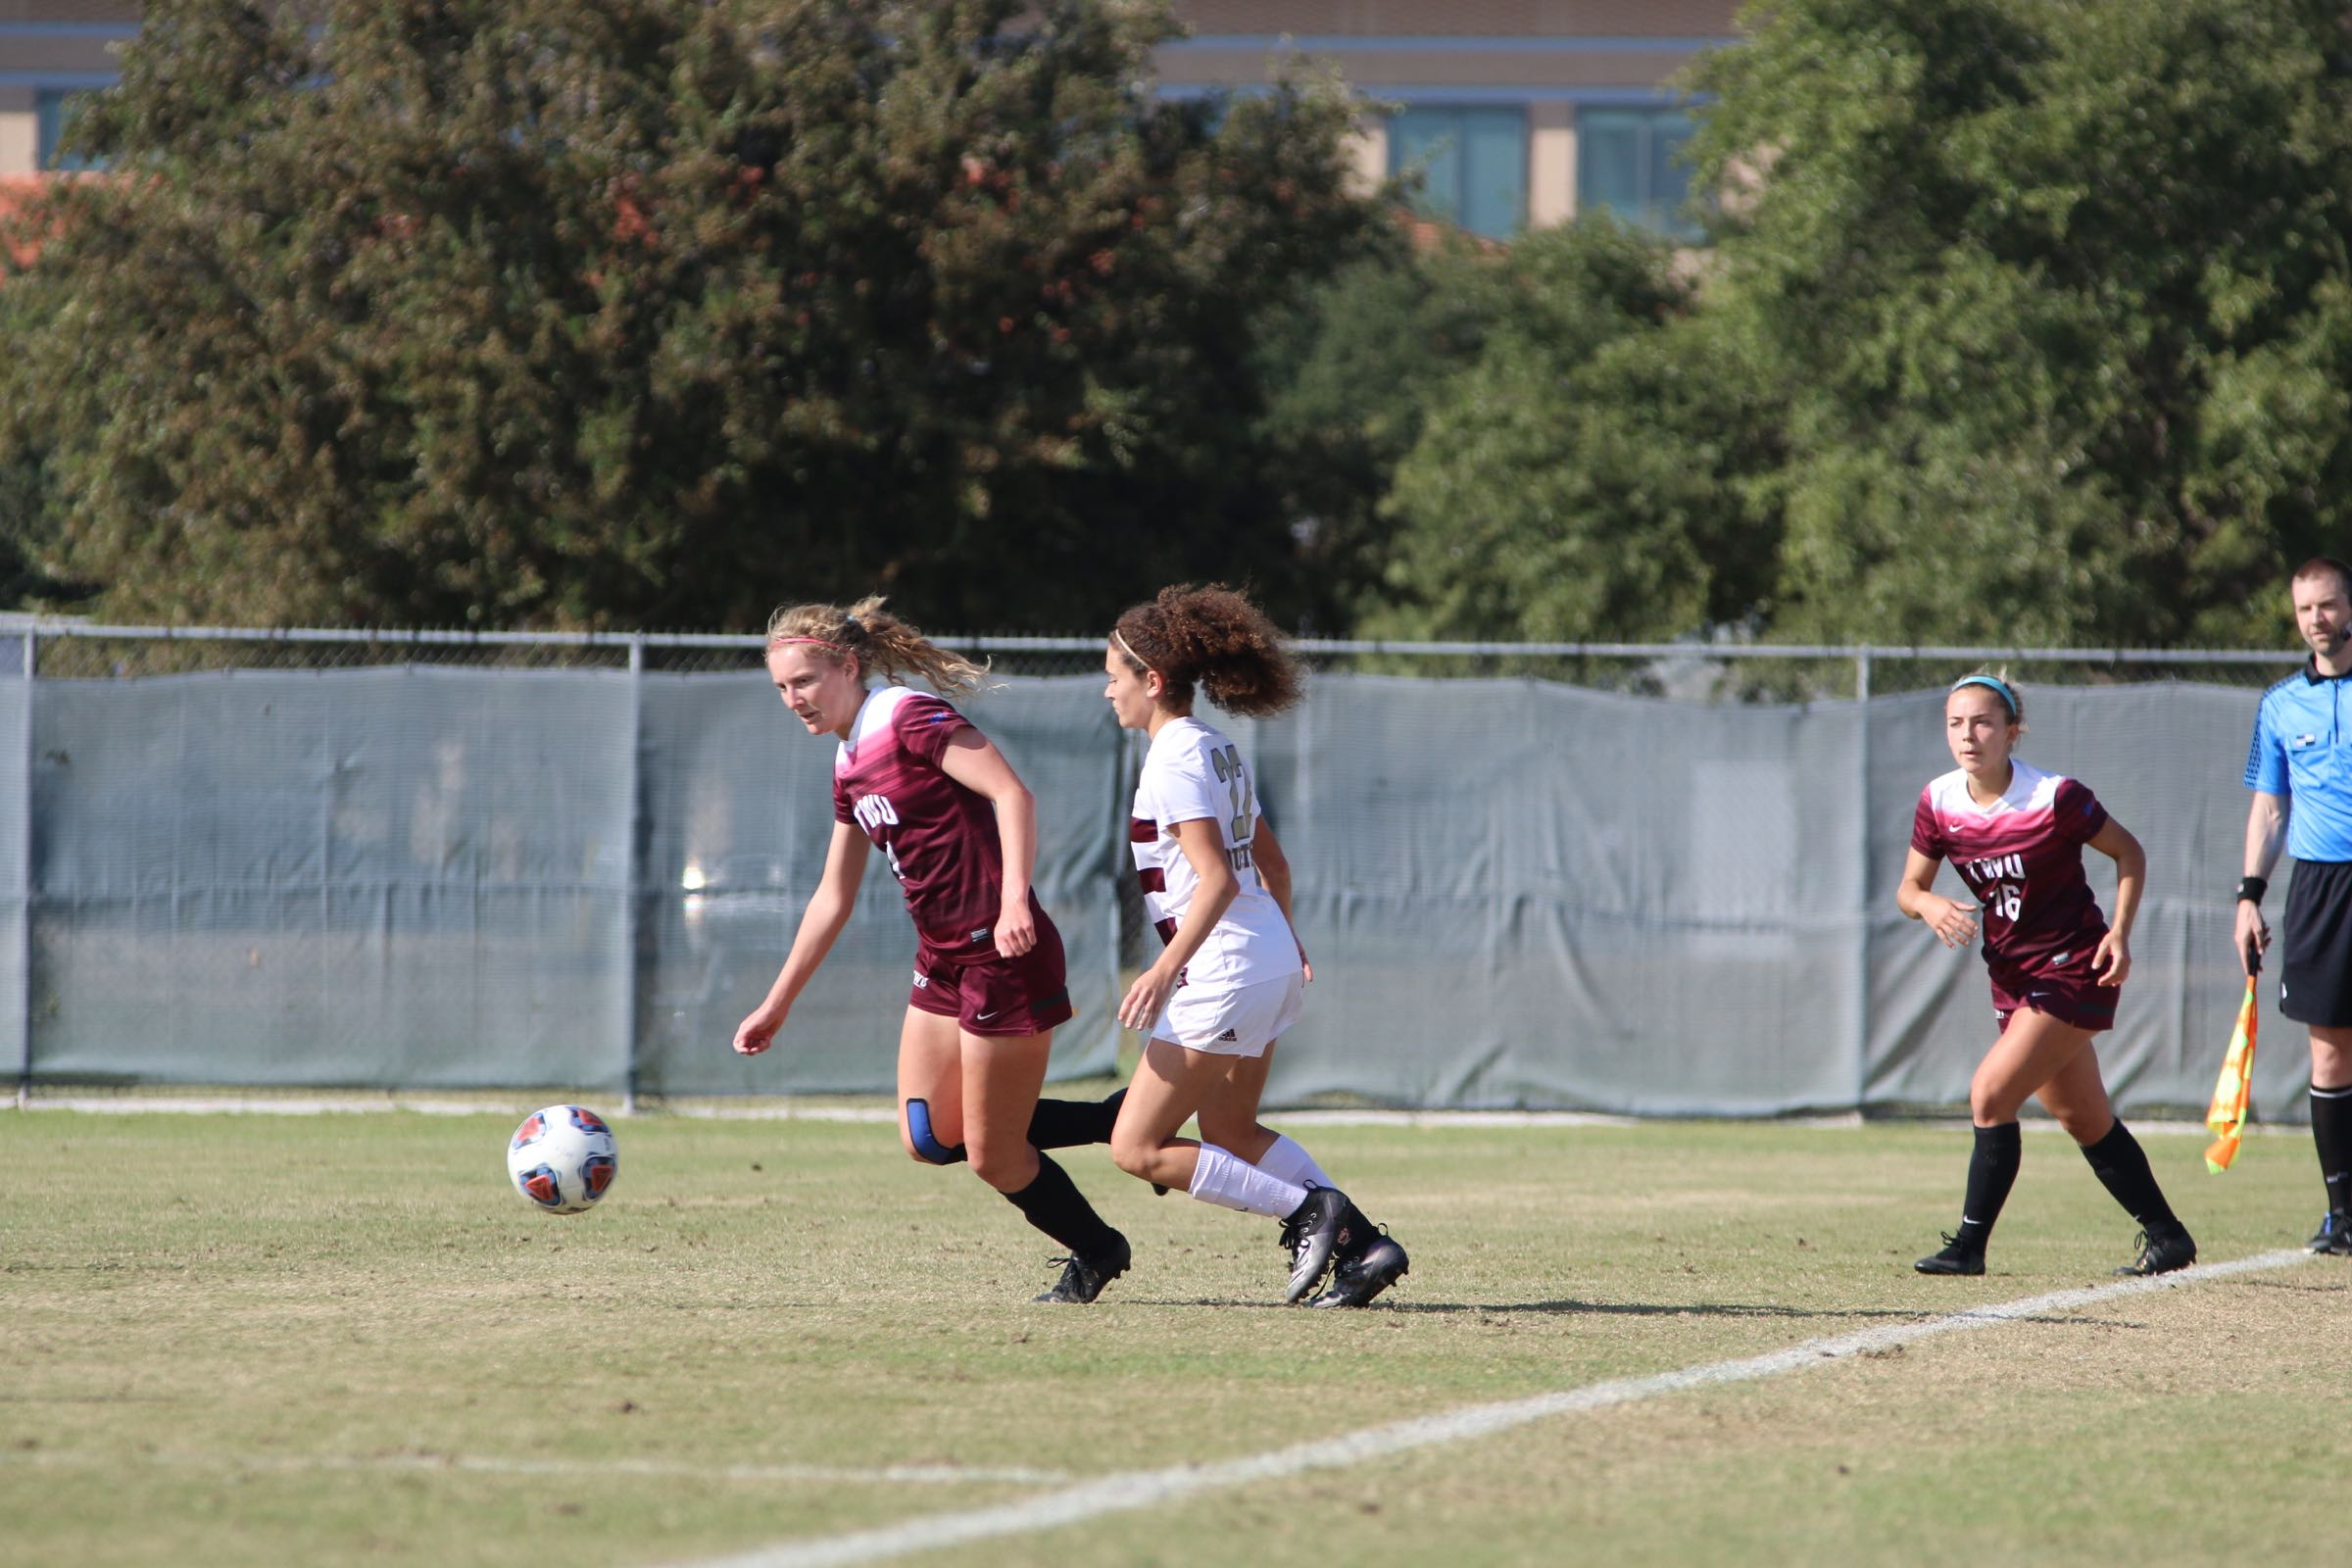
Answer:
(1862, 818)
(629, 874)
(22, 956)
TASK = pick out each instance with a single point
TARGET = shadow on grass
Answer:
(1664, 1309)
(1580, 1308)
(1598, 1308)
(2293, 1286)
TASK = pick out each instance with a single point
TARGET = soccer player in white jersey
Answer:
(1231, 976)
(2016, 836)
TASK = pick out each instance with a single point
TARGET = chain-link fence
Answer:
(1599, 876)
(1717, 672)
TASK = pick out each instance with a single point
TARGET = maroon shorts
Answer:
(993, 995)
(2075, 999)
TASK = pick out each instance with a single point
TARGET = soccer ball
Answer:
(563, 1158)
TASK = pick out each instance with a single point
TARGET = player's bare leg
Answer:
(1367, 1260)
(931, 1088)
(2030, 1053)
(2076, 1095)
(1002, 1075)
(2033, 1050)
(1228, 1111)
(1170, 1083)
(931, 1093)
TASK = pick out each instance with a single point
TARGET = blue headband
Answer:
(1999, 687)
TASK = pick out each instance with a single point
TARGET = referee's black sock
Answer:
(2331, 1132)
(2122, 1167)
(1992, 1172)
(1053, 1205)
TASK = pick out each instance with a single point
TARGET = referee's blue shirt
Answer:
(2303, 750)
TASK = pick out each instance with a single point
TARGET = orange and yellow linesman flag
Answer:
(2228, 1116)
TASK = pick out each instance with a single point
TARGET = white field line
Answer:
(1145, 1489)
(894, 1475)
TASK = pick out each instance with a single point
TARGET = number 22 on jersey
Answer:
(1236, 778)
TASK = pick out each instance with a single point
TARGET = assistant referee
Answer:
(2300, 770)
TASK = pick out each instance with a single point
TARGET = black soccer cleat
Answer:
(1082, 1278)
(2161, 1254)
(2335, 1235)
(1955, 1259)
(1312, 1233)
(1355, 1280)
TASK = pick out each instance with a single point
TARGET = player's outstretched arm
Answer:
(1952, 921)
(828, 912)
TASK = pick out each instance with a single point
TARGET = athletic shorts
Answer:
(993, 995)
(2315, 969)
(1232, 1020)
(2075, 999)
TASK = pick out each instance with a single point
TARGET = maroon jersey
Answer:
(941, 839)
(2022, 856)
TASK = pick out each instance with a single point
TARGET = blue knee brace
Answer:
(926, 1143)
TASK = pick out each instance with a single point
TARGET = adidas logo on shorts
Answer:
(1230, 1035)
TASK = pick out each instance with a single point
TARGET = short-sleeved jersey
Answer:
(941, 838)
(1194, 774)
(2302, 749)
(2021, 857)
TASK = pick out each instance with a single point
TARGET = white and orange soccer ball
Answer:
(563, 1158)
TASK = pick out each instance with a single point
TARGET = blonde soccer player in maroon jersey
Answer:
(2016, 836)
(1231, 976)
(958, 829)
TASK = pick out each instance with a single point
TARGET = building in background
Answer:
(49, 51)
(1515, 113)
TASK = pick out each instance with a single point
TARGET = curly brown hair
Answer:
(1214, 637)
(879, 641)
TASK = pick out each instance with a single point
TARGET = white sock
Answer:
(1230, 1183)
(1292, 1163)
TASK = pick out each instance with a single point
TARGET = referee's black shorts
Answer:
(2315, 975)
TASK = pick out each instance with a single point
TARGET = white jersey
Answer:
(1194, 774)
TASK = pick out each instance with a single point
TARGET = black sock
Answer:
(2122, 1167)
(1053, 1205)
(1067, 1123)
(1992, 1172)
(2331, 1132)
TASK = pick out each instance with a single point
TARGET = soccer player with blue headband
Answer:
(2016, 836)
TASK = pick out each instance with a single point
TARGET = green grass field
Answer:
(340, 1338)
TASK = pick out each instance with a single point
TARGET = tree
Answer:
(1584, 479)
(2056, 301)
(654, 312)
(1352, 368)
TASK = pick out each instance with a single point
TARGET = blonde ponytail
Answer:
(879, 641)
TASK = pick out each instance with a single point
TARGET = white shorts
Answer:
(1232, 1020)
